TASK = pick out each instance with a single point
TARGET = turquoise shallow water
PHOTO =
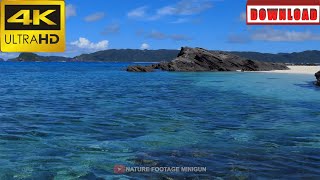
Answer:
(78, 120)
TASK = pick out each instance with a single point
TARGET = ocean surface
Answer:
(78, 120)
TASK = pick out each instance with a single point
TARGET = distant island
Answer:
(305, 57)
(31, 57)
(135, 55)
(112, 55)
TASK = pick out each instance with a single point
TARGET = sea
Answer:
(64, 121)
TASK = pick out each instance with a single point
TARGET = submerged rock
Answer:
(198, 59)
(90, 176)
(318, 78)
(140, 69)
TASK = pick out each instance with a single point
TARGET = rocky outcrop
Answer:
(318, 78)
(198, 60)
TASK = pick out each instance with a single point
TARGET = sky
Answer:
(170, 24)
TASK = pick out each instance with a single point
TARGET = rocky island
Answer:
(31, 57)
(201, 60)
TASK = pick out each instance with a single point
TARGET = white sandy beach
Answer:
(298, 70)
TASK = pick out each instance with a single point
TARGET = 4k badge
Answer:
(33, 26)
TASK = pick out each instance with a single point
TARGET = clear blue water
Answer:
(78, 120)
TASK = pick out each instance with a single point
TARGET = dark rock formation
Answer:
(198, 60)
(318, 78)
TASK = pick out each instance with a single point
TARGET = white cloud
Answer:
(156, 35)
(145, 46)
(138, 13)
(7, 56)
(185, 7)
(70, 10)
(275, 35)
(86, 44)
(112, 28)
(179, 37)
(238, 39)
(182, 8)
(168, 10)
(94, 17)
(162, 36)
(180, 21)
(243, 16)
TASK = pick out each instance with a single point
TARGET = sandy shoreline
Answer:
(298, 70)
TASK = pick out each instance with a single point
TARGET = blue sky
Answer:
(171, 24)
